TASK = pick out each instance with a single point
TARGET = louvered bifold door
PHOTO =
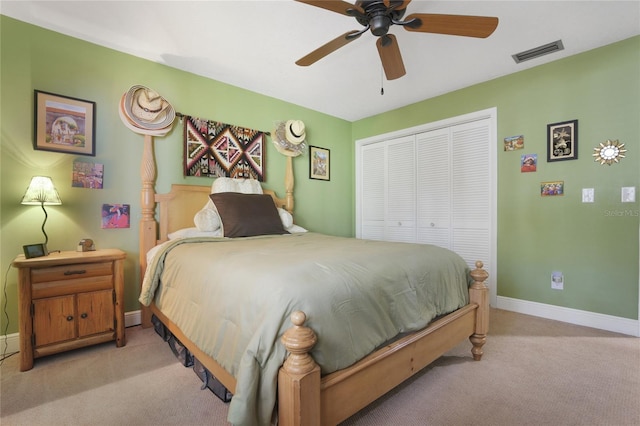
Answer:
(401, 190)
(471, 190)
(373, 191)
(433, 195)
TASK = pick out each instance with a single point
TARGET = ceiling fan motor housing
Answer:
(377, 16)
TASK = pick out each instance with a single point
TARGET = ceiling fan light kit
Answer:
(378, 16)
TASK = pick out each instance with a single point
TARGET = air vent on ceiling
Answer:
(536, 52)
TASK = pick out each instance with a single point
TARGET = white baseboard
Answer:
(572, 316)
(132, 318)
(12, 341)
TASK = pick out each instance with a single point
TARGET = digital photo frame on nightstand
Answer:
(35, 250)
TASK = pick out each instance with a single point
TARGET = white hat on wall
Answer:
(289, 137)
(146, 111)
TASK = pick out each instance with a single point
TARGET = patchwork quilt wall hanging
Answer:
(214, 149)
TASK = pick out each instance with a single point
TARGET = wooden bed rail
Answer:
(305, 398)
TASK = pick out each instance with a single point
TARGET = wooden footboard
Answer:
(307, 399)
(304, 398)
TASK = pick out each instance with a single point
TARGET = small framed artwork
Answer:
(562, 141)
(319, 163)
(513, 143)
(552, 189)
(115, 216)
(528, 163)
(64, 124)
(87, 174)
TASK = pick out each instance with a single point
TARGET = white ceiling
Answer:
(253, 44)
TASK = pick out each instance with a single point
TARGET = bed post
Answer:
(299, 377)
(288, 184)
(148, 226)
(479, 294)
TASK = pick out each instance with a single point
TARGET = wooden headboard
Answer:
(177, 207)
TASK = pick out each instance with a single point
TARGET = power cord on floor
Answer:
(5, 346)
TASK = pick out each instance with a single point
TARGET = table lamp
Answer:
(42, 192)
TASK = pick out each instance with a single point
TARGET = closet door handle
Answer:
(84, 315)
(70, 318)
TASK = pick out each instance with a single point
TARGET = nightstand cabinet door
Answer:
(54, 320)
(95, 312)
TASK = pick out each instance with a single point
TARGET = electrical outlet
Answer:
(629, 194)
(587, 195)
(557, 280)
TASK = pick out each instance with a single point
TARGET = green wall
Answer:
(594, 245)
(35, 58)
(596, 248)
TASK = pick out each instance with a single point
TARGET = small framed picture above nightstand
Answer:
(69, 300)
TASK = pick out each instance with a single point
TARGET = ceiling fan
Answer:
(379, 15)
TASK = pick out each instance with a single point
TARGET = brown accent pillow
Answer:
(247, 215)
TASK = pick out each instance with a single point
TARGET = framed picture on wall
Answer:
(552, 189)
(319, 163)
(562, 141)
(64, 124)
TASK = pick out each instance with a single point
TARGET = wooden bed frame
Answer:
(304, 397)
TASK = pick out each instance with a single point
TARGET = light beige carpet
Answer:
(534, 372)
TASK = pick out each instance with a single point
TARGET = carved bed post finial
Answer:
(479, 294)
(299, 340)
(299, 377)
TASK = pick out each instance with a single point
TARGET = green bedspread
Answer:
(233, 299)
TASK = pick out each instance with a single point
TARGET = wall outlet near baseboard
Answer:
(557, 280)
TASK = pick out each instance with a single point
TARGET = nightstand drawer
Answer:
(71, 272)
(78, 285)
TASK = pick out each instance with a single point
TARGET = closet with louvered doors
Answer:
(431, 186)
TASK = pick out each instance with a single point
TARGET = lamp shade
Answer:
(41, 192)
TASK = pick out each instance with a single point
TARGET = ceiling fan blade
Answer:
(327, 48)
(461, 25)
(337, 6)
(390, 56)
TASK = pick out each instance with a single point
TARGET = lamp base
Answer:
(35, 250)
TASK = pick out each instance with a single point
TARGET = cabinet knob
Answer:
(433, 224)
(70, 318)
(84, 315)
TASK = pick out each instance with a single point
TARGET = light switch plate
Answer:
(628, 194)
(587, 195)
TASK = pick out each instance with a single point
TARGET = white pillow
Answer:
(285, 217)
(244, 186)
(207, 219)
(193, 232)
(295, 229)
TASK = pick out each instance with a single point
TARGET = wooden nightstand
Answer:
(69, 300)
